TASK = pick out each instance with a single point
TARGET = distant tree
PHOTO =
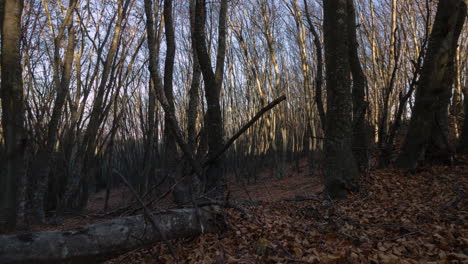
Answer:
(13, 127)
(428, 130)
(340, 165)
(62, 69)
(77, 190)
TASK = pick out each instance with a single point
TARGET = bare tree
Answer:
(62, 74)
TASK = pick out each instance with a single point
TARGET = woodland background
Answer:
(155, 96)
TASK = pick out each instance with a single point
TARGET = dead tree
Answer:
(101, 241)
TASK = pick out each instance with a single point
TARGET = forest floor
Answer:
(398, 216)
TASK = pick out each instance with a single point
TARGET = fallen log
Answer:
(97, 242)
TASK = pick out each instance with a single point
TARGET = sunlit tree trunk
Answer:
(85, 167)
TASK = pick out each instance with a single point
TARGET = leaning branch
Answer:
(244, 128)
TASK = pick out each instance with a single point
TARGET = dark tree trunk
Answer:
(213, 81)
(428, 127)
(170, 147)
(340, 166)
(360, 135)
(151, 151)
(13, 132)
(192, 111)
(153, 68)
(319, 78)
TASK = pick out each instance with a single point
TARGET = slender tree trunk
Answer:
(45, 157)
(12, 113)
(194, 102)
(170, 147)
(189, 186)
(151, 150)
(434, 90)
(85, 165)
(153, 57)
(360, 135)
(456, 108)
(319, 74)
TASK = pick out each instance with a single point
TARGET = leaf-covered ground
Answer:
(398, 216)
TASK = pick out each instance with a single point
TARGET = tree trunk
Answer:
(319, 77)
(192, 110)
(213, 82)
(427, 126)
(360, 135)
(12, 113)
(100, 241)
(170, 147)
(187, 187)
(340, 166)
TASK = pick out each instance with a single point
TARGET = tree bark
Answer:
(100, 241)
(434, 89)
(340, 166)
(192, 110)
(319, 77)
(12, 113)
(170, 147)
(360, 135)
(213, 82)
